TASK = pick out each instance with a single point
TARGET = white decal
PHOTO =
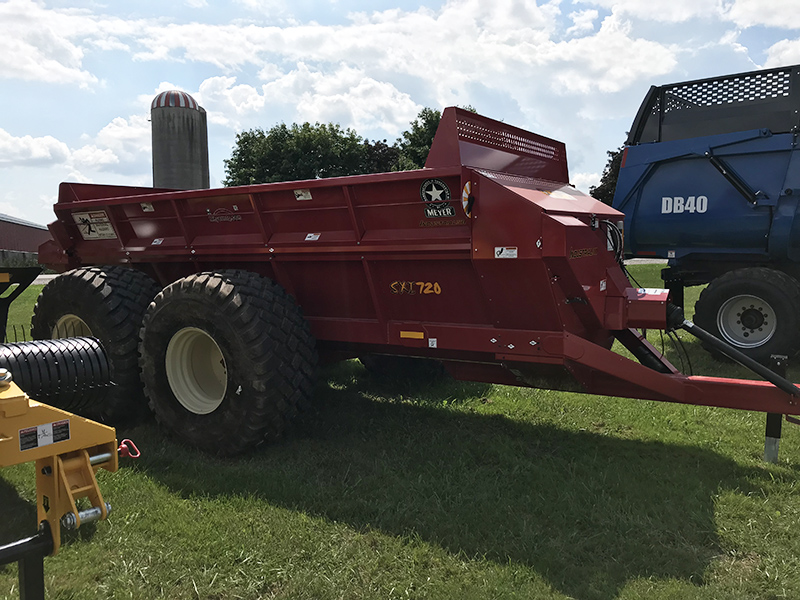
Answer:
(431, 342)
(679, 204)
(94, 225)
(505, 252)
(147, 207)
(312, 237)
(302, 194)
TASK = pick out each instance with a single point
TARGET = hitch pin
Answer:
(90, 515)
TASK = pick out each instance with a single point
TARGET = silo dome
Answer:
(180, 142)
(174, 99)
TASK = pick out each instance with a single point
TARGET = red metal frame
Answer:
(516, 284)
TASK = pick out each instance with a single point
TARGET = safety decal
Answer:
(313, 237)
(94, 225)
(147, 207)
(505, 252)
(302, 194)
(436, 196)
(43, 435)
(467, 199)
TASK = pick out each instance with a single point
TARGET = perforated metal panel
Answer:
(504, 140)
(746, 88)
(764, 99)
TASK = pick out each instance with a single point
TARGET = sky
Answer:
(78, 77)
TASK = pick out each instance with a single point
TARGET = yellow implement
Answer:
(68, 450)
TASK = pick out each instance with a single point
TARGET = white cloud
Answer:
(129, 140)
(784, 52)
(583, 21)
(346, 95)
(674, 11)
(771, 13)
(606, 62)
(28, 150)
(227, 103)
(583, 181)
(32, 50)
(41, 44)
(744, 13)
(92, 156)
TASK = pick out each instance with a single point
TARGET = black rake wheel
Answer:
(107, 303)
(227, 360)
(756, 310)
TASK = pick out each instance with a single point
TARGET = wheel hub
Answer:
(746, 321)
(70, 325)
(196, 370)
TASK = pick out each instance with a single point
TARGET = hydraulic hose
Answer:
(676, 320)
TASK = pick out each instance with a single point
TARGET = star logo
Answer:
(436, 195)
(436, 192)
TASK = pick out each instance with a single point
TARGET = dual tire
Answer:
(225, 360)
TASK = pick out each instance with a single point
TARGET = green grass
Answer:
(452, 491)
(19, 314)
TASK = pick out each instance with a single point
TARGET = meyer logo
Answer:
(223, 215)
(436, 195)
(679, 204)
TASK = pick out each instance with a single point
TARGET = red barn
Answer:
(20, 240)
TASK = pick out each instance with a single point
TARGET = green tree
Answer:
(608, 182)
(416, 142)
(286, 153)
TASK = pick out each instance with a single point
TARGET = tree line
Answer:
(294, 152)
(306, 151)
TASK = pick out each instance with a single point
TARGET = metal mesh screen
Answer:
(767, 99)
(748, 88)
(504, 140)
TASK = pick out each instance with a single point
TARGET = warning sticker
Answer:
(505, 252)
(43, 435)
(94, 225)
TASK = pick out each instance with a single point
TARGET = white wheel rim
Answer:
(70, 326)
(747, 321)
(196, 370)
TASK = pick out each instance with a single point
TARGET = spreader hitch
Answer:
(676, 320)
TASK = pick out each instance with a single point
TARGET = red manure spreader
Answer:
(215, 306)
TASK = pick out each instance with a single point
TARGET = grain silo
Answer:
(180, 142)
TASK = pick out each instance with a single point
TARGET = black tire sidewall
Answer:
(162, 326)
(111, 301)
(779, 291)
(261, 394)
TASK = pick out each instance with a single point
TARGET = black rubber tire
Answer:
(111, 301)
(263, 355)
(764, 299)
(69, 373)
